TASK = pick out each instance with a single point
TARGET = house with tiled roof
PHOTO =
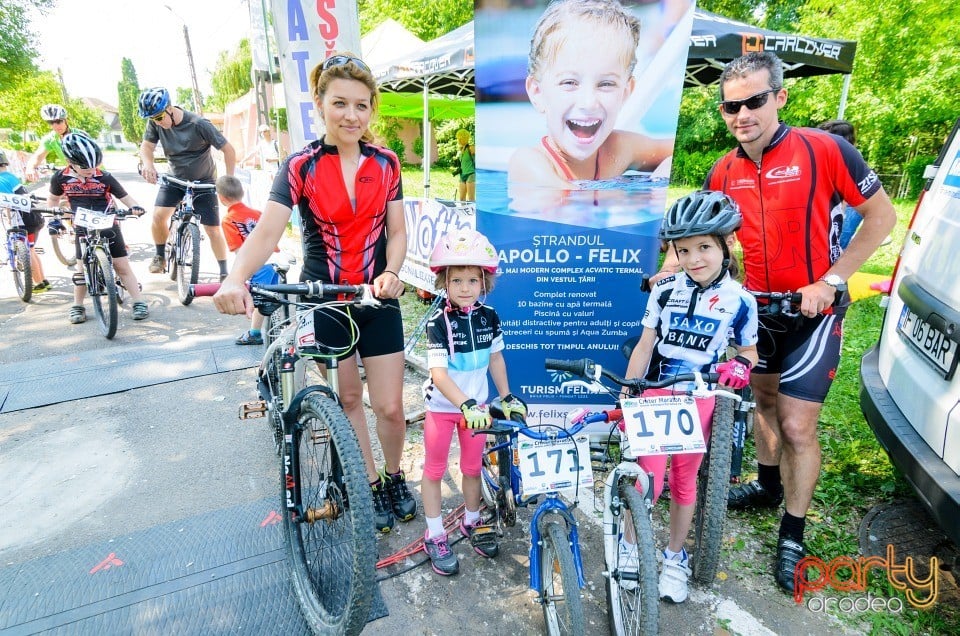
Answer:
(112, 134)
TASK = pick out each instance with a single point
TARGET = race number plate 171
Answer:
(554, 464)
(662, 424)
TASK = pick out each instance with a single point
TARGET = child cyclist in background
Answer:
(580, 88)
(237, 225)
(86, 186)
(702, 300)
(464, 343)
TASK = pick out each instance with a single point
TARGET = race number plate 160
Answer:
(663, 424)
(553, 465)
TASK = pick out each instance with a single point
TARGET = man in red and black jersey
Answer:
(791, 185)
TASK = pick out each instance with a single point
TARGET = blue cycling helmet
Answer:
(153, 101)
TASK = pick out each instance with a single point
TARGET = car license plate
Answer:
(937, 348)
(554, 465)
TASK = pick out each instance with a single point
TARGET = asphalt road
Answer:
(116, 464)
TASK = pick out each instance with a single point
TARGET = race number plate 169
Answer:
(662, 424)
(936, 347)
(555, 464)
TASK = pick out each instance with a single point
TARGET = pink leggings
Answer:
(684, 467)
(437, 435)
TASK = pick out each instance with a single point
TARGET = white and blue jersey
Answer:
(461, 341)
(695, 325)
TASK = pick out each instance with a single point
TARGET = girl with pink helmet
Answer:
(464, 343)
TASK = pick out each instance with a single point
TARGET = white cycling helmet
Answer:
(464, 247)
(52, 112)
(153, 101)
(81, 151)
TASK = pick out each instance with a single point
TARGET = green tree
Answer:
(231, 77)
(17, 51)
(426, 20)
(128, 93)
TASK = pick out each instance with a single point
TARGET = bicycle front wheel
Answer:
(188, 262)
(633, 596)
(103, 292)
(712, 486)
(22, 272)
(330, 542)
(67, 255)
(559, 591)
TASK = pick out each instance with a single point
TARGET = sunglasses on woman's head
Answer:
(733, 106)
(340, 60)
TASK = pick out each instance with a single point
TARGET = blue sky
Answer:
(87, 39)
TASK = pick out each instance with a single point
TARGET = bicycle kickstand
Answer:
(253, 410)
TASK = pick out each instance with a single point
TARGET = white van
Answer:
(910, 386)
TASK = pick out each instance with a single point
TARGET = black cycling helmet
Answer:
(701, 213)
(153, 101)
(81, 151)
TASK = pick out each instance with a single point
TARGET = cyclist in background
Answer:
(87, 186)
(685, 328)
(32, 222)
(465, 264)
(186, 139)
(49, 149)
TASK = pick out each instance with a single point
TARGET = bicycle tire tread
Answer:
(105, 303)
(712, 486)
(648, 583)
(554, 537)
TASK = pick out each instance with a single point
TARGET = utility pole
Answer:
(197, 98)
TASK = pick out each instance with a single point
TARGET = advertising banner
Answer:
(427, 220)
(576, 119)
(307, 33)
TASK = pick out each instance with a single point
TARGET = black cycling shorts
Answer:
(380, 330)
(205, 204)
(804, 351)
(118, 248)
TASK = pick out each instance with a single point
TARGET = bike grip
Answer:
(576, 367)
(204, 289)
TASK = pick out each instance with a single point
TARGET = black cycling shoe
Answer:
(403, 504)
(752, 495)
(789, 554)
(382, 512)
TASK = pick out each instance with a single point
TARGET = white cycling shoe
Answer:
(673, 580)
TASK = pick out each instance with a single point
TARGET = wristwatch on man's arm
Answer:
(837, 283)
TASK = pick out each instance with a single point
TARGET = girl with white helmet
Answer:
(686, 327)
(49, 149)
(464, 344)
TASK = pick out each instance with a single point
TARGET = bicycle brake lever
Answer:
(591, 387)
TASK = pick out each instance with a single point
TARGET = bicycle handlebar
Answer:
(784, 303)
(363, 293)
(192, 185)
(590, 370)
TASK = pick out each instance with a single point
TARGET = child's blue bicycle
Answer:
(17, 253)
(524, 465)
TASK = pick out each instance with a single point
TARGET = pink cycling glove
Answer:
(735, 373)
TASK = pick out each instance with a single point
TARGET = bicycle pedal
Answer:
(253, 410)
(484, 536)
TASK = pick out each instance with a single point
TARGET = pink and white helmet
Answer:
(464, 247)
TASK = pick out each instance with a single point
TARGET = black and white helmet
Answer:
(81, 151)
(52, 112)
(701, 213)
(153, 101)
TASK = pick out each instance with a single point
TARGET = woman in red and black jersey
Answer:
(349, 195)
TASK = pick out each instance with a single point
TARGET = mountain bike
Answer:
(97, 265)
(530, 463)
(17, 253)
(183, 237)
(324, 493)
(631, 578)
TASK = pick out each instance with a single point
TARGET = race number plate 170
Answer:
(663, 424)
(555, 464)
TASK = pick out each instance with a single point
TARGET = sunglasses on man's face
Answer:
(340, 60)
(56, 121)
(733, 106)
(158, 118)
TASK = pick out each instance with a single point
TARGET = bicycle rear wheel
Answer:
(103, 292)
(559, 591)
(330, 547)
(67, 255)
(188, 261)
(712, 486)
(633, 605)
(22, 272)
(495, 482)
